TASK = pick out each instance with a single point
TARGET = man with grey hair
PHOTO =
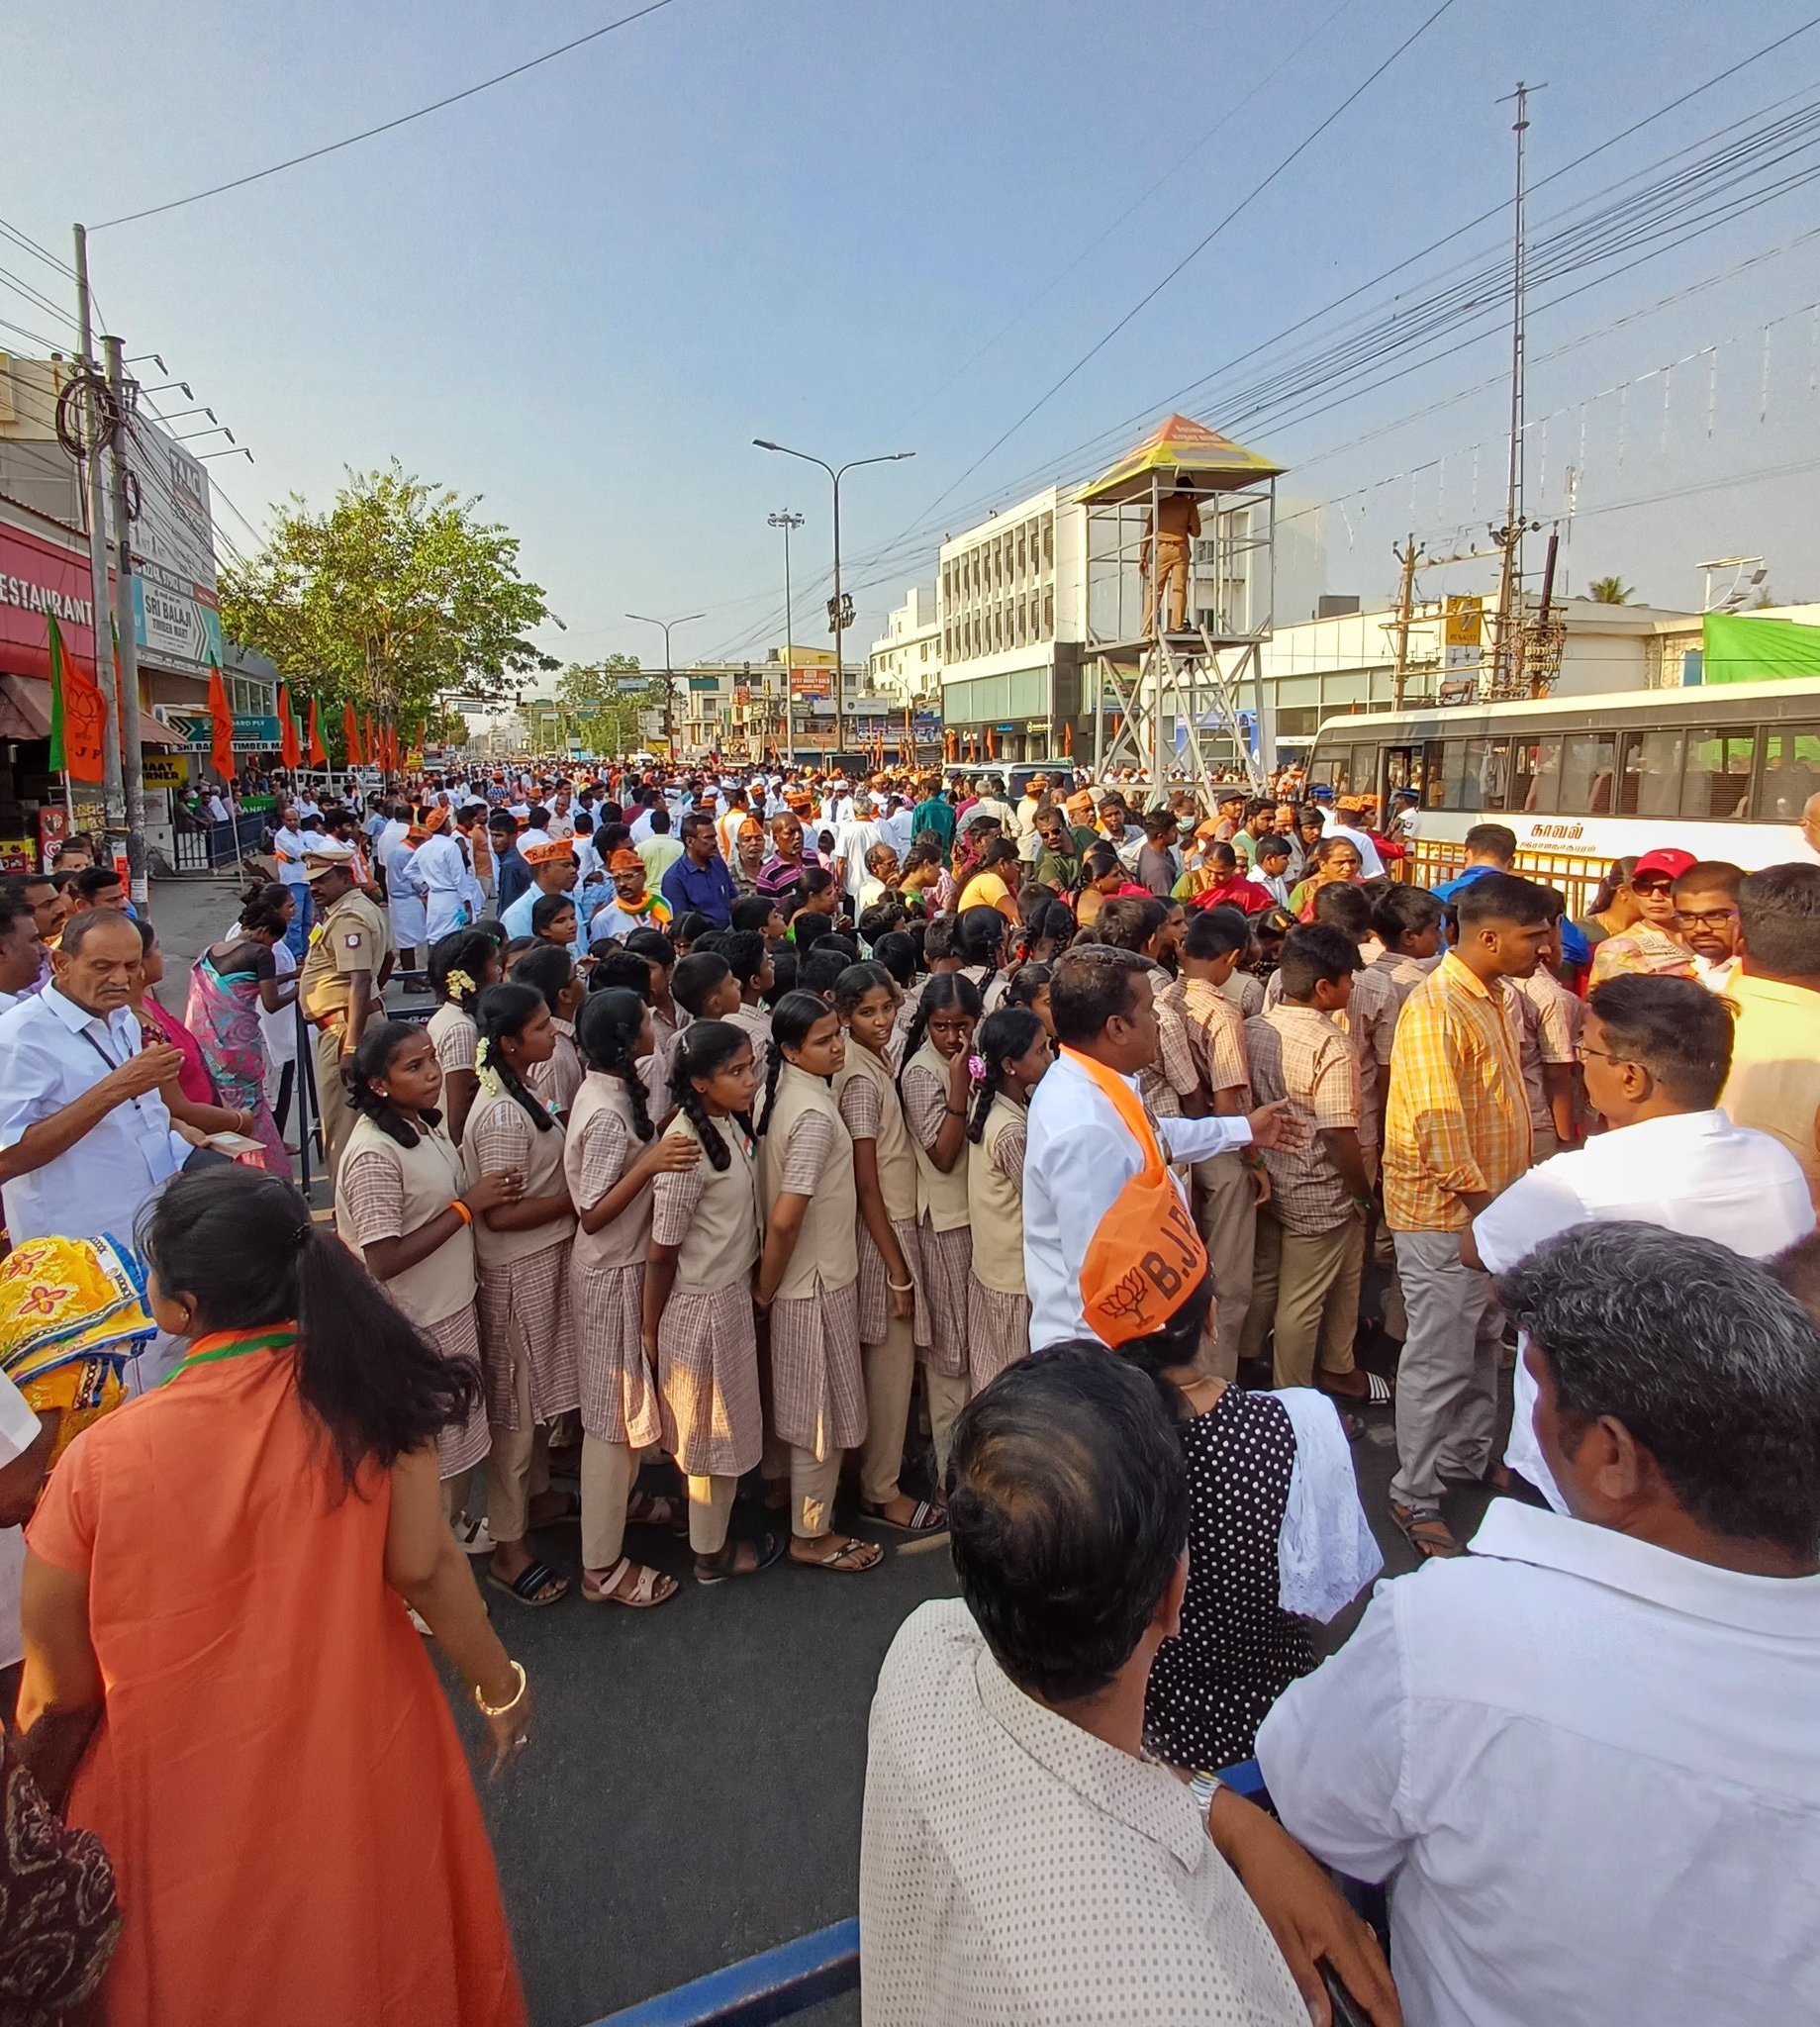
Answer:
(1588, 1754)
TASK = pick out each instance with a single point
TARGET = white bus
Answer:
(1722, 772)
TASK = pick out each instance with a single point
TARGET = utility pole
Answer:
(101, 426)
(137, 858)
(1409, 556)
(669, 687)
(785, 519)
(1510, 537)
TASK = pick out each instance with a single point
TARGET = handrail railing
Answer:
(776, 1984)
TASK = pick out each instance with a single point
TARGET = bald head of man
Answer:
(1810, 823)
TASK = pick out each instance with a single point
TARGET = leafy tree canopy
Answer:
(597, 710)
(398, 593)
(1609, 591)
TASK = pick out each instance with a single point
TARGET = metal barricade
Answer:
(776, 1984)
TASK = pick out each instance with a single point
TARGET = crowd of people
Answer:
(1079, 1178)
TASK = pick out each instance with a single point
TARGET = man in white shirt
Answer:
(1655, 1053)
(1588, 1755)
(852, 841)
(1021, 1862)
(86, 1139)
(1081, 1153)
(441, 869)
(990, 792)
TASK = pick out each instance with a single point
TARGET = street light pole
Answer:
(785, 519)
(835, 472)
(669, 691)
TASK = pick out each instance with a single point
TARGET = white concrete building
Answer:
(907, 660)
(1012, 598)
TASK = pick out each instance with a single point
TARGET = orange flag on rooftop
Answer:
(221, 724)
(318, 752)
(350, 738)
(290, 750)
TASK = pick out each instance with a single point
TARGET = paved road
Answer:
(693, 1795)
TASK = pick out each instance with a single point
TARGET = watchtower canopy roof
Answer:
(1212, 463)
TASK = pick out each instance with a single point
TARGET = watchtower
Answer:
(1178, 586)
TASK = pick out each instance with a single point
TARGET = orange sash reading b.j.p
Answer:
(1146, 1256)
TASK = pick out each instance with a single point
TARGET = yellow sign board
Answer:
(165, 770)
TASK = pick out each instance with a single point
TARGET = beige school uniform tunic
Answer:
(942, 1215)
(817, 1390)
(523, 1275)
(619, 1391)
(383, 1191)
(869, 1105)
(706, 1342)
(997, 1308)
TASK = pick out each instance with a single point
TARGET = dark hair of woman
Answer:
(607, 1029)
(545, 909)
(701, 1049)
(263, 907)
(490, 927)
(853, 984)
(1175, 1344)
(617, 969)
(897, 952)
(502, 1012)
(464, 951)
(549, 969)
(980, 940)
(814, 880)
(1024, 984)
(377, 1047)
(688, 925)
(1050, 921)
(1095, 863)
(947, 989)
(1617, 875)
(1004, 1036)
(242, 1247)
(791, 1021)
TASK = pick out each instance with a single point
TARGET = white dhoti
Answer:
(444, 909)
(409, 927)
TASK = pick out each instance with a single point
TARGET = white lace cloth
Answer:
(1326, 1549)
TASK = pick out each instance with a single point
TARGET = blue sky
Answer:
(582, 294)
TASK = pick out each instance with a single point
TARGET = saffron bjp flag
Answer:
(78, 719)
(318, 752)
(290, 747)
(221, 724)
(350, 738)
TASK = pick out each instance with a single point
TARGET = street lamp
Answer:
(785, 519)
(669, 694)
(841, 620)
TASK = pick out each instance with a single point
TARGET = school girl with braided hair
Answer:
(808, 1282)
(1011, 1053)
(612, 1157)
(697, 1321)
(526, 1325)
(463, 965)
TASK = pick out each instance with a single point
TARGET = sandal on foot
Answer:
(1428, 1534)
(1379, 1392)
(842, 1560)
(929, 1518)
(472, 1535)
(766, 1549)
(535, 1585)
(658, 1509)
(648, 1589)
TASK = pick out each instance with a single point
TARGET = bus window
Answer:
(1652, 780)
(1717, 779)
(1586, 773)
(1452, 787)
(1403, 769)
(1487, 773)
(1792, 772)
(1536, 780)
(1328, 770)
(1365, 770)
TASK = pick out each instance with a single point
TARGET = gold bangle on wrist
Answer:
(487, 1709)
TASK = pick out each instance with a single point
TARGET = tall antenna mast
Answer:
(1510, 538)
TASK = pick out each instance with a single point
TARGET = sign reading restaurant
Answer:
(41, 580)
(43, 598)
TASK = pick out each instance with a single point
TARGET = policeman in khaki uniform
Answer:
(344, 974)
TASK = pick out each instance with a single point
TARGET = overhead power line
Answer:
(454, 98)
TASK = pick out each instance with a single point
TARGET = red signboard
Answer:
(40, 579)
(812, 681)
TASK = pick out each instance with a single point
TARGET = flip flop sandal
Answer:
(641, 1596)
(1378, 1392)
(531, 1586)
(769, 1547)
(838, 1559)
(658, 1509)
(1428, 1534)
(929, 1518)
(472, 1535)
(570, 1516)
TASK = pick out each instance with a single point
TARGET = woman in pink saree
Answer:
(230, 981)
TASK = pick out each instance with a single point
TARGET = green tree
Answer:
(398, 593)
(1609, 591)
(599, 714)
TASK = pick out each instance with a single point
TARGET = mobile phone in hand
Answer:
(1347, 2011)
